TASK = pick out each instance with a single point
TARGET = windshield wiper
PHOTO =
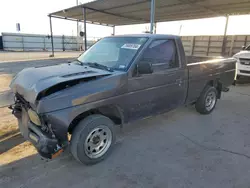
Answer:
(97, 65)
(80, 62)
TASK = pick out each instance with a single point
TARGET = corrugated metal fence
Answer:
(193, 45)
(213, 45)
(34, 42)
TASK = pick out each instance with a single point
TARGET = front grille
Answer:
(244, 71)
(245, 61)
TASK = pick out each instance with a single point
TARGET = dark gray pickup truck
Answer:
(116, 81)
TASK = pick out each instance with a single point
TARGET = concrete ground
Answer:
(178, 149)
(24, 56)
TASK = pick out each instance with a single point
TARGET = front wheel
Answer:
(92, 139)
(207, 100)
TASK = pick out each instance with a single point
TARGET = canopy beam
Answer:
(82, 21)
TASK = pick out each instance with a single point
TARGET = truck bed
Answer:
(203, 69)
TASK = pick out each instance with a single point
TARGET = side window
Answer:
(162, 53)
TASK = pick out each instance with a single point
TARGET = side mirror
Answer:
(243, 47)
(144, 67)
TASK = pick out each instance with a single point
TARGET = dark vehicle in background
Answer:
(116, 81)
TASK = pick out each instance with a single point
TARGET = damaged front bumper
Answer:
(45, 143)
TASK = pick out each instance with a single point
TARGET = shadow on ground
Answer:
(10, 142)
(8, 134)
(243, 80)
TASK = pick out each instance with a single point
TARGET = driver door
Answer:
(161, 90)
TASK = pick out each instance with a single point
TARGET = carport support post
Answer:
(225, 37)
(85, 29)
(152, 16)
(155, 28)
(51, 35)
(113, 30)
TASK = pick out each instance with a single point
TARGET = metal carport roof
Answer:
(126, 12)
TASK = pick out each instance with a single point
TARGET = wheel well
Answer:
(217, 84)
(113, 112)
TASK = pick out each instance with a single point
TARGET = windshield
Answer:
(113, 52)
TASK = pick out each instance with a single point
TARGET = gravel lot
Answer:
(178, 149)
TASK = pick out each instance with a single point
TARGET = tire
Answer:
(88, 143)
(209, 94)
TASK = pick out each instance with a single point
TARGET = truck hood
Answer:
(243, 54)
(31, 82)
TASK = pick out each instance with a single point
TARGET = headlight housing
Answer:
(34, 118)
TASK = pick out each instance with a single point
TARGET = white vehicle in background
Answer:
(243, 62)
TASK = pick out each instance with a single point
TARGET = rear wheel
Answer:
(92, 140)
(207, 100)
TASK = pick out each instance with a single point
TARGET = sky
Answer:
(32, 16)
